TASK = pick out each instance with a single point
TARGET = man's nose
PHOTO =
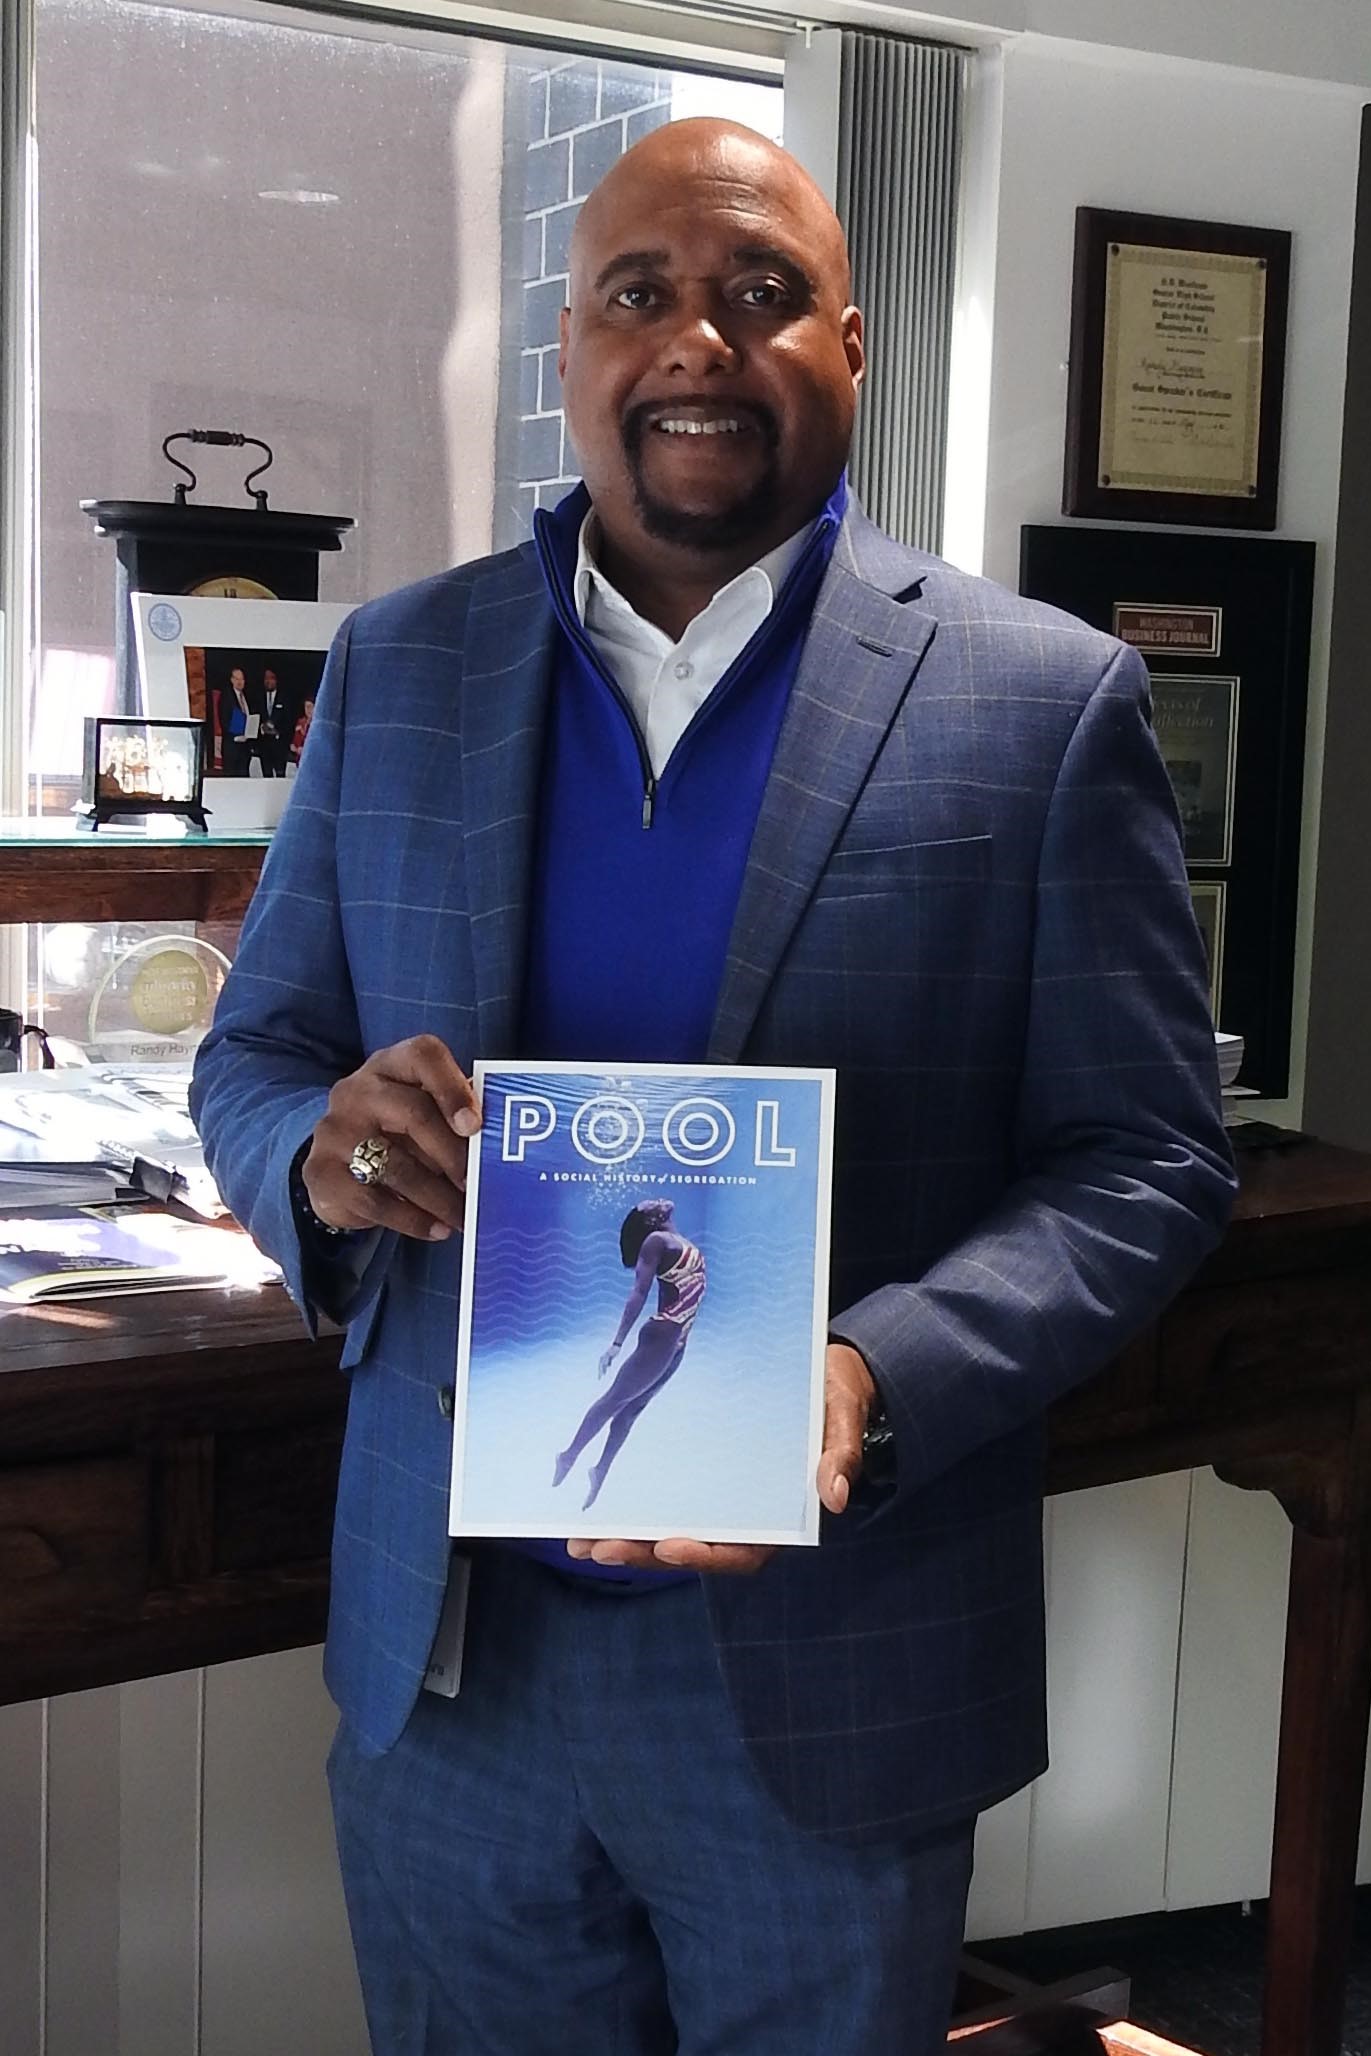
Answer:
(700, 342)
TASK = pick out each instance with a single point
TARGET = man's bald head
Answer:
(710, 358)
(707, 150)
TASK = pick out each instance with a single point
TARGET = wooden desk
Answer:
(167, 1470)
(51, 870)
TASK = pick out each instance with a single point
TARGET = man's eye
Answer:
(634, 297)
(764, 292)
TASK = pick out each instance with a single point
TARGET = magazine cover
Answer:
(644, 1303)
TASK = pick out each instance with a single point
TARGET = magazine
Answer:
(58, 1253)
(644, 1303)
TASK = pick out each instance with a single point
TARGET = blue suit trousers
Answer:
(575, 1857)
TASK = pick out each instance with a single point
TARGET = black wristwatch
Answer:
(878, 1446)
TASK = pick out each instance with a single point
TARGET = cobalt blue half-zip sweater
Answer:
(636, 880)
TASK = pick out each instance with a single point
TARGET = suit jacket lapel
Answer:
(506, 672)
(859, 661)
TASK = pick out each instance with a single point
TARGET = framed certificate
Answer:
(1177, 370)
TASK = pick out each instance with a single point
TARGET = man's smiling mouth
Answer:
(712, 417)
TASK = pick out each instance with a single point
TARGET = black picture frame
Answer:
(1262, 591)
(115, 787)
(1191, 339)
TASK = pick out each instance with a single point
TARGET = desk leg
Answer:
(1325, 1704)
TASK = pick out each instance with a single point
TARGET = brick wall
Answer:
(564, 127)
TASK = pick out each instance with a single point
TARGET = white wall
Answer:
(1303, 39)
(169, 1885)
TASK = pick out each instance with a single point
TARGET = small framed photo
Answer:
(1209, 904)
(248, 672)
(1177, 370)
(1195, 721)
(132, 766)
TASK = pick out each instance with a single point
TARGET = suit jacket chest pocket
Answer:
(894, 946)
(897, 870)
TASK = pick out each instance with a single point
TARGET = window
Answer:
(347, 239)
(350, 243)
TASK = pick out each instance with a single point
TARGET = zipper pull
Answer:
(649, 800)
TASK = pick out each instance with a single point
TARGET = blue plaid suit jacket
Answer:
(966, 892)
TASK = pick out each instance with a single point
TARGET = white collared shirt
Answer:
(665, 682)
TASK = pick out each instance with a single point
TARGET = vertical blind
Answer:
(898, 170)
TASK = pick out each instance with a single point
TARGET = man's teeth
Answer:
(677, 427)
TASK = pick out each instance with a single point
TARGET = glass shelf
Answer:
(61, 831)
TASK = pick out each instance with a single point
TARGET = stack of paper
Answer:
(105, 1121)
(1231, 1049)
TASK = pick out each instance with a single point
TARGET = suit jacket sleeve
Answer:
(286, 1027)
(1123, 1176)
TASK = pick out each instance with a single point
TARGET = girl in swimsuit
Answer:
(656, 1252)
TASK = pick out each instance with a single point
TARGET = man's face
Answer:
(709, 359)
(269, 680)
(237, 680)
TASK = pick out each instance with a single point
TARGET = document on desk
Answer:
(60, 1253)
(644, 1303)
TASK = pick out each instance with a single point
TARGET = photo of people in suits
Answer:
(253, 703)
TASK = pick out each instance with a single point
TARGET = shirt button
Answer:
(684, 670)
(447, 1399)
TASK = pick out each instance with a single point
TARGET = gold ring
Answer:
(368, 1161)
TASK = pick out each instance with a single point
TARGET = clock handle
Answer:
(224, 438)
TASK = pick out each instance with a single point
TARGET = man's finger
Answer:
(411, 1181)
(426, 1061)
(713, 1558)
(679, 1553)
(369, 1103)
(841, 1462)
(633, 1555)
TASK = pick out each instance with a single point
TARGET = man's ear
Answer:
(854, 347)
(563, 334)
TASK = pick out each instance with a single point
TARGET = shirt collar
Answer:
(766, 576)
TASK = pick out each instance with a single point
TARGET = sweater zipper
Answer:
(588, 648)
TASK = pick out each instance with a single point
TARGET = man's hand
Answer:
(849, 1393)
(415, 1098)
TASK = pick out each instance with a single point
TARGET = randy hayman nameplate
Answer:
(1177, 368)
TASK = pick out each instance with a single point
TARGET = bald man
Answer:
(713, 770)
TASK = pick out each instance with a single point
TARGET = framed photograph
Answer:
(1234, 750)
(1177, 370)
(248, 672)
(132, 766)
(1208, 902)
(644, 1311)
(1195, 721)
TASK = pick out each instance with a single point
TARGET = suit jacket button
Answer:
(447, 1400)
